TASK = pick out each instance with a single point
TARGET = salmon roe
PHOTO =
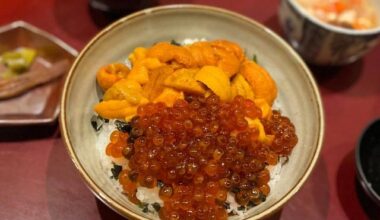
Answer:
(201, 149)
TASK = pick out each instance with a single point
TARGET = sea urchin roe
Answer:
(201, 149)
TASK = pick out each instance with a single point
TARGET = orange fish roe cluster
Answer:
(201, 149)
(117, 143)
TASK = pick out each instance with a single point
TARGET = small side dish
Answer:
(352, 14)
(193, 133)
(32, 68)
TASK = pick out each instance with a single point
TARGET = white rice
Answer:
(146, 195)
(234, 206)
(188, 41)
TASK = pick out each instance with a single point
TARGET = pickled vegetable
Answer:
(17, 61)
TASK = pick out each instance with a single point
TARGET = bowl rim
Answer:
(337, 29)
(105, 198)
(363, 180)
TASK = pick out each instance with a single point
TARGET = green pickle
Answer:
(17, 61)
(8, 74)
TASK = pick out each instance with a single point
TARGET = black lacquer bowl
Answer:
(368, 161)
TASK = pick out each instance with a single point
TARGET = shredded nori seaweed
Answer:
(97, 122)
(241, 208)
(250, 204)
(123, 126)
(232, 213)
(156, 206)
(160, 184)
(254, 58)
(145, 209)
(116, 169)
(262, 197)
(143, 206)
(174, 42)
(226, 205)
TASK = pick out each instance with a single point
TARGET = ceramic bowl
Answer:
(321, 43)
(367, 161)
(298, 93)
(42, 101)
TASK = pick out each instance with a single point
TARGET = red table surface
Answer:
(38, 180)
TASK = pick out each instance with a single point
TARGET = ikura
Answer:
(117, 144)
(201, 149)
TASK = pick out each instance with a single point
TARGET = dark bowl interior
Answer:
(368, 161)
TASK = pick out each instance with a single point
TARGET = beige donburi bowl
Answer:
(298, 94)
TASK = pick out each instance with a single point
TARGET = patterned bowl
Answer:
(321, 43)
(298, 93)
